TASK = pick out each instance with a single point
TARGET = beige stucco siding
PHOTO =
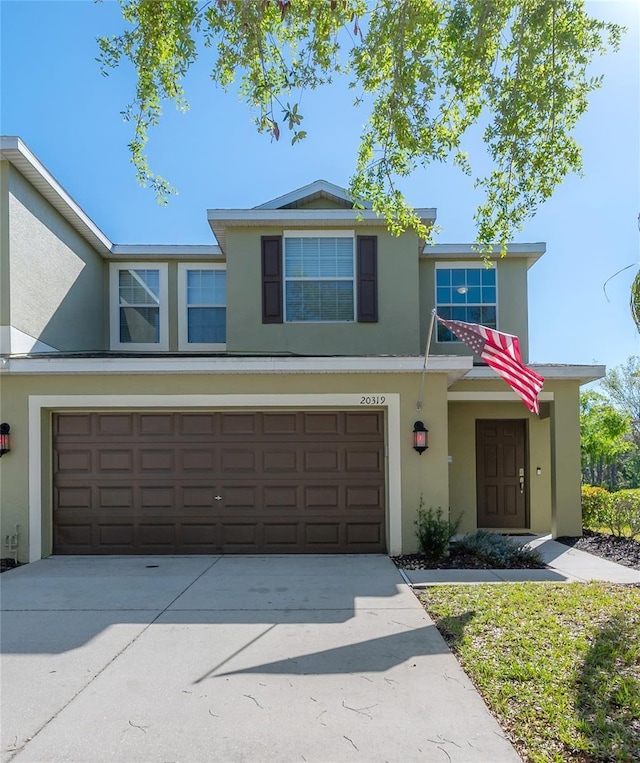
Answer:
(418, 475)
(512, 303)
(5, 312)
(397, 331)
(56, 278)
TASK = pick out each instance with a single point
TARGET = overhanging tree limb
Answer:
(431, 70)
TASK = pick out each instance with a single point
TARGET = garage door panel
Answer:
(363, 423)
(216, 482)
(115, 460)
(363, 497)
(112, 425)
(238, 460)
(73, 497)
(322, 534)
(280, 423)
(324, 496)
(73, 462)
(238, 424)
(197, 460)
(364, 460)
(281, 535)
(364, 533)
(280, 460)
(198, 497)
(322, 460)
(321, 423)
(197, 424)
(73, 424)
(157, 460)
(280, 497)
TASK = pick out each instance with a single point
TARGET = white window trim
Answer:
(183, 322)
(462, 264)
(114, 307)
(320, 234)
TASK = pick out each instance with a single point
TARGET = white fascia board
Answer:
(13, 150)
(299, 194)
(493, 397)
(551, 372)
(454, 366)
(166, 250)
(532, 252)
(293, 217)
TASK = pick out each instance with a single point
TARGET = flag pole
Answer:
(426, 358)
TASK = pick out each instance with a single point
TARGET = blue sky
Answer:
(54, 97)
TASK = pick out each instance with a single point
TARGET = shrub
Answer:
(623, 513)
(499, 551)
(434, 532)
(595, 505)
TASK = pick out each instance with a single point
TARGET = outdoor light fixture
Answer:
(5, 440)
(420, 437)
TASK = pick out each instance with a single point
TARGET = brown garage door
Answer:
(218, 482)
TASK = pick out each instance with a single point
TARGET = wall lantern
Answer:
(5, 439)
(420, 437)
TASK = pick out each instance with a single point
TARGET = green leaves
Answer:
(432, 70)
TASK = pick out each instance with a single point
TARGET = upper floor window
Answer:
(465, 292)
(138, 306)
(202, 306)
(319, 276)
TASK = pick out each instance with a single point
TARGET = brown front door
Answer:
(219, 482)
(501, 473)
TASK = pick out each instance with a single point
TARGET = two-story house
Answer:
(260, 393)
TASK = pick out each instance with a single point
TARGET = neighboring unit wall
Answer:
(397, 331)
(512, 303)
(56, 278)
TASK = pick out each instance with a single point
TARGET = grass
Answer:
(559, 665)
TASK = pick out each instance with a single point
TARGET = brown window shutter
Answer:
(271, 279)
(367, 279)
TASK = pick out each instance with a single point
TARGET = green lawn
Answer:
(559, 665)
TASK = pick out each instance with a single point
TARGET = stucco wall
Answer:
(5, 313)
(420, 475)
(512, 303)
(56, 278)
(396, 332)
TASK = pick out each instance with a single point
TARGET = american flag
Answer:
(502, 353)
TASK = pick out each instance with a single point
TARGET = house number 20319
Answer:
(372, 400)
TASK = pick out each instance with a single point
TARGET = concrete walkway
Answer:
(566, 565)
(199, 659)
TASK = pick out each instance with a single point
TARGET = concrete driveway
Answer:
(279, 658)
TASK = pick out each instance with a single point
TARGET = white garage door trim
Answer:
(40, 403)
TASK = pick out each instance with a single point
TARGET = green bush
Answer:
(498, 551)
(434, 532)
(595, 506)
(622, 517)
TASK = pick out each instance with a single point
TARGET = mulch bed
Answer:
(8, 564)
(621, 550)
(457, 560)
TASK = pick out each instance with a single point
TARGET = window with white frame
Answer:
(139, 306)
(319, 276)
(465, 292)
(202, 306)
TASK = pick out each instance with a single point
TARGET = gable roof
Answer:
(319, 189)
(13, 150)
